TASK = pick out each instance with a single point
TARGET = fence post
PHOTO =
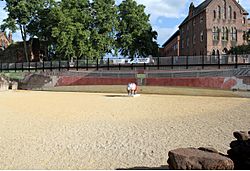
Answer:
(43, 65)
(77, 63)
(186, 62)
(132, 66)
(29, 66)
(1, 69)
(22, 66)
(15, 66)
(68, 65)
(236, 60)
(36, 66)
(144, 66)
(87, 64)
(60, 64)
(108, 63)
(158, 62)
(8, 67)
(219, 61)
(172, 62)
(97, 65)
(51, 65)
(203, 61)
(119, 66)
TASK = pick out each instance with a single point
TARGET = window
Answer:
(225, 9)
(226, 33)
(235, 15)
(230, 12)
(214, 14)
(194, 22)
(194, 41)
(201, 36)
(201, 19)
(219, 12)
(234, 33)
(215, 33)
(182, 44)
(223, 33)
(244, 20)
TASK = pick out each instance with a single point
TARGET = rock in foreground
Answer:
(193, 159)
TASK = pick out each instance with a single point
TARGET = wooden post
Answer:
(186, 62)
(1, 69)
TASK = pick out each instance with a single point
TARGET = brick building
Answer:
(171, 46)
(212, 28)
(5, 40)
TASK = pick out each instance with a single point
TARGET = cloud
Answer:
(165, 33)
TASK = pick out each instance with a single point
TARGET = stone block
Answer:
(193, 159)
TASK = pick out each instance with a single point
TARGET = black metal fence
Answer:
(158, 63)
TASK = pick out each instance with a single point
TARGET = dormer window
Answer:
(214, 14)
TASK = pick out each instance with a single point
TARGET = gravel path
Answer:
(54, 130)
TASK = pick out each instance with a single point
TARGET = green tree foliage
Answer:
(135, 36)
(20, 14)
(72, 32)
(243, 49)
(84, 29)
(104, 26)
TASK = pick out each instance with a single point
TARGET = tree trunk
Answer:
(24, 35)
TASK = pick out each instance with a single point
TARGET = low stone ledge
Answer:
(193, 159)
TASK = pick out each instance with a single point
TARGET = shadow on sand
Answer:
(116, 95)
(163, 167)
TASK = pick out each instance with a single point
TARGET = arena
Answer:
(69, 130)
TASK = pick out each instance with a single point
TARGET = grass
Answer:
(152, 90)
(15, 75)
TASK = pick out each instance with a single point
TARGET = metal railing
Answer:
(158, 63)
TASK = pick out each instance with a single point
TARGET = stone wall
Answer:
(4, 84)
(220, 79)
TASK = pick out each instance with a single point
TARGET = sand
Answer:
(55, 130)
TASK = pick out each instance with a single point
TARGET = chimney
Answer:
(191, 9)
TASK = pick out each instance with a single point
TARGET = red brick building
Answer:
(5, 40)
(171, 46)
(212, 28)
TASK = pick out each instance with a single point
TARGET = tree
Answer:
(72, 32)
(104, 26)
(20, 14)
(135, 36)
(42, 24)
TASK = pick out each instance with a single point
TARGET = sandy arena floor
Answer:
(50, 130)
